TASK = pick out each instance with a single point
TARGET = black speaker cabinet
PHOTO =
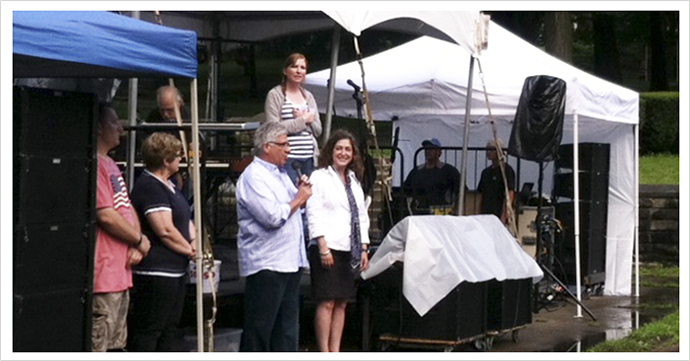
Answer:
(538, 127)
(50, 257)
(51, 321)
(460, 315)
(592, 214)
(592, 256)
(592, 241)
(54, 198)
(54, 189)
(54, 122)
(509, 304)
(593, 157)
(593, 185)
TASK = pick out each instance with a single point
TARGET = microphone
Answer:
(352, 84)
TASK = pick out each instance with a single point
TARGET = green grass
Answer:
(657, 275)
(658, 270)
(656, 336)
(659, 169)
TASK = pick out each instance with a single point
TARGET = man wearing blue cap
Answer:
(433, 183)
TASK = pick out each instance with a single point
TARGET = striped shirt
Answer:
(301, 144)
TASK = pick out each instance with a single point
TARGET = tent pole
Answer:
(576, 204)
(636, 232)
(335, 48)
(215, 65)
(196, 176)
(468, 113)
(132, 136)
(132, 108)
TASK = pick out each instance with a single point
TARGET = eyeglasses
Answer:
(282, 145)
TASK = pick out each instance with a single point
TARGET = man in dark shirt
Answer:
(491, 185)
(433, 183)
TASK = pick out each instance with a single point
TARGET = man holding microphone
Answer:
(270, 244)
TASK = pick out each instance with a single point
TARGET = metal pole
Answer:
(132, 108)
(636, 234)
(215, 70)
(196, 176)
(576, 204)
(468, 116)
(335, 48)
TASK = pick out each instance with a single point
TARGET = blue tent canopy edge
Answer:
(99, 44)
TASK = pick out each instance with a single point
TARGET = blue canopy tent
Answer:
(99, 44)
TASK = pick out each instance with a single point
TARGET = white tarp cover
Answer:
(423, 85)
(440, 252)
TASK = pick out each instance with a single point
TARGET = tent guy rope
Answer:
(501, 159)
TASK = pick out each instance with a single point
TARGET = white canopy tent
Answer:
(421, 85)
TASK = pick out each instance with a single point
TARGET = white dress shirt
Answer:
(269, 237)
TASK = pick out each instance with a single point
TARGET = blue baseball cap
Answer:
(431, 143)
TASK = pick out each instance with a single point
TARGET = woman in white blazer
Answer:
(339, 235)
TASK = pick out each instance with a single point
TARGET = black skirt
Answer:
(334, 283)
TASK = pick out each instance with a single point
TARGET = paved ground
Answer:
(559, 328)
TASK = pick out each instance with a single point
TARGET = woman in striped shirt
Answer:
(295, 107)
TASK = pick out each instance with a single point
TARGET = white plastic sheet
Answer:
(440, 252)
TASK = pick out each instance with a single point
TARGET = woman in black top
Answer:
(159, 280)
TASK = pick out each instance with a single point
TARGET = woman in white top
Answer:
(295, 107)
(339, 233)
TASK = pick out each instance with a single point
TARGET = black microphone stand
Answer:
(367, 183)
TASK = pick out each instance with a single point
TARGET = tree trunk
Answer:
(606, 54)
(558, 35)
(659, 77)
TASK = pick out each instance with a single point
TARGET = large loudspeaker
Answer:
(592, 242)
(538, 126)
(593, 175)
(593, 157)
(509, 304)
(461, 314)
(592, 256)
(54, 157)
(469, 310)
(594, 181)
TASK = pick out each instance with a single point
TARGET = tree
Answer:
(657, 46)
(606, 54)
(558, 35)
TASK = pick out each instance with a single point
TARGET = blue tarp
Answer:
(98, 44)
